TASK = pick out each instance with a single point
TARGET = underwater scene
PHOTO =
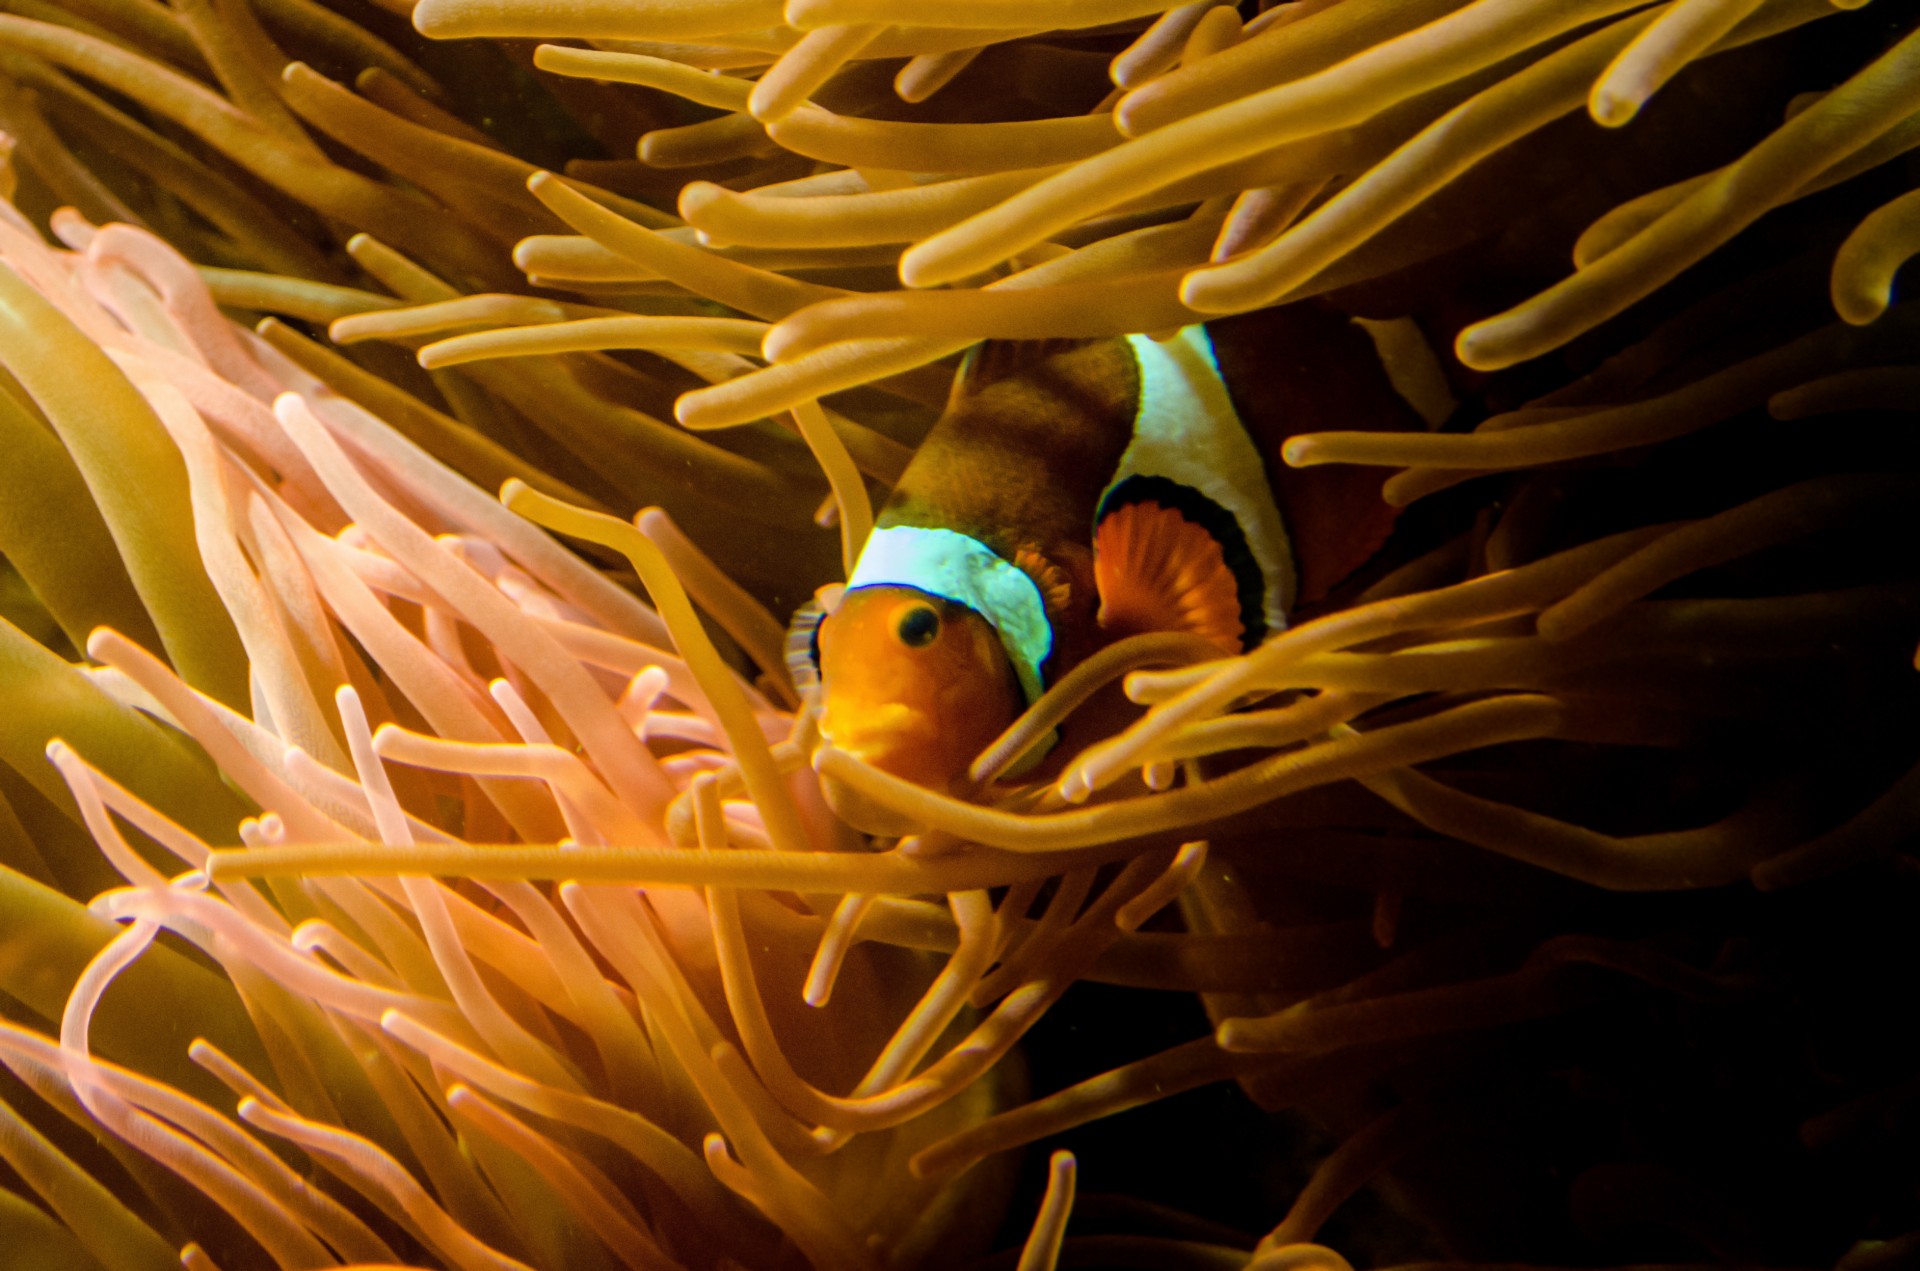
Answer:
(751, 635)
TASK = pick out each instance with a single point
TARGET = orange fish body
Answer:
(1075, 493)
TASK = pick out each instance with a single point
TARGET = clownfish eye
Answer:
(918, 626)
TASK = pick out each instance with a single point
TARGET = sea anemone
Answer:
(386, 883)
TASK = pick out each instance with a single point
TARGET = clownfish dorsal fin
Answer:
(997, 360)
(1158, 571)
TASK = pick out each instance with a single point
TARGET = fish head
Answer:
(913, 683)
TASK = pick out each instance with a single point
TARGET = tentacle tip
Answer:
(918, 269)
(1557, 628)
(1481, 348)
(1126, 111)
(1218, 288)
(513, 490)
(287, 408)
(1859, 310)
(691, 411)
(933, 262)
(1612, 110)
(1785, 406)
(696, 196)
(437, 19)
(777, 344)
(1397, 496)
(1195, 286)
(768, 105)
(804, 15)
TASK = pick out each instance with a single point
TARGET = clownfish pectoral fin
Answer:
(1051, 577)
(1158, 571)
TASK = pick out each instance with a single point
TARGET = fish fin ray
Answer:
(1053, 580)
(1157, 571)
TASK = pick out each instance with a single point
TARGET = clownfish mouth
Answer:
(894, 738)
(882, 735)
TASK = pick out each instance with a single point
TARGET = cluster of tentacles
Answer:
(397, 872)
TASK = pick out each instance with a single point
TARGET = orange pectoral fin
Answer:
(1158, 571)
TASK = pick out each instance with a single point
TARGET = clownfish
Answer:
(1077, 492)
